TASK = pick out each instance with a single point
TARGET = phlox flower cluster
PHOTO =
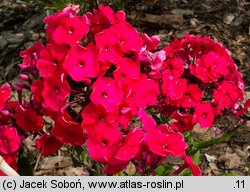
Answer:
(103, 85)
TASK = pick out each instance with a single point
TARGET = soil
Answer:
(227, 21)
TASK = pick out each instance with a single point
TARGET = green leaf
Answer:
(81, 153)
(185, 172)
(24, 167)
(164, 170)
(228, 174)
(196, 157)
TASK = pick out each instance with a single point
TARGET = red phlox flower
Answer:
(95, 114)
(31, 55)
(55, 92)
(108, 45)
(4, 117)
(36, 89)
(183, 122)
(157, 59)
(146, 95)
(226, 95)
(242, 111)
(12, 105)
(173, 47)
(114, 166)
(107, 93)
(151, 42)
(51, 60)
(210, 67)
(235, 76)
(130, 146)
(204, 114)
(173, 67)
(164, 144)
(5, 92)
(174, 88)
(9, 140)
(126, 71)
(128, 38)
(54, 20)
(67, 131)
(28, 119)
(167, 109)
(148, 122)
(191, 97)
(127, 110)
(160, 139)
(193, 167)
(103, 142)
(81, 62)
(71, 30)
(48, 144)
(104, 18)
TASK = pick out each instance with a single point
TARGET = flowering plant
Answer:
(108, 89)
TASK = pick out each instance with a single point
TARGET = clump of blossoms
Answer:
(102, 83)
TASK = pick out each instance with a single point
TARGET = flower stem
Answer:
(6, 169)
(198, 145)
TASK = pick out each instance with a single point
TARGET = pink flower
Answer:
(151, 42)
(145, 95)
(183, 122)
(130, 146)
(107, 93)
(55, 92)
(204, 114)
(5, 92)
(126, 71)
(160, 139)
(36, 88)
(31, 55)
(48, 144)
(164, 144)
(173, 67)
(148, 123)
(104, 18)
(103, 141)
(210, 67)
(128, 38)
(114, 166)
(9, 140)
(96, 114)
(127, 110)
(28, 119)
(174, 88)
(67, 131)
(242, 111)
(226, 95)
(81, 63)
(107, 43)
(70, 30)
(192, 166)
(191, 97)
(51, 60)
(189, 163)
(53, 21)
(157, 60)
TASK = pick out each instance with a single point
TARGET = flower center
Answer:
(81, 64)
(71, 30)
(107, 49)
(104, 95)
(104, 142)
